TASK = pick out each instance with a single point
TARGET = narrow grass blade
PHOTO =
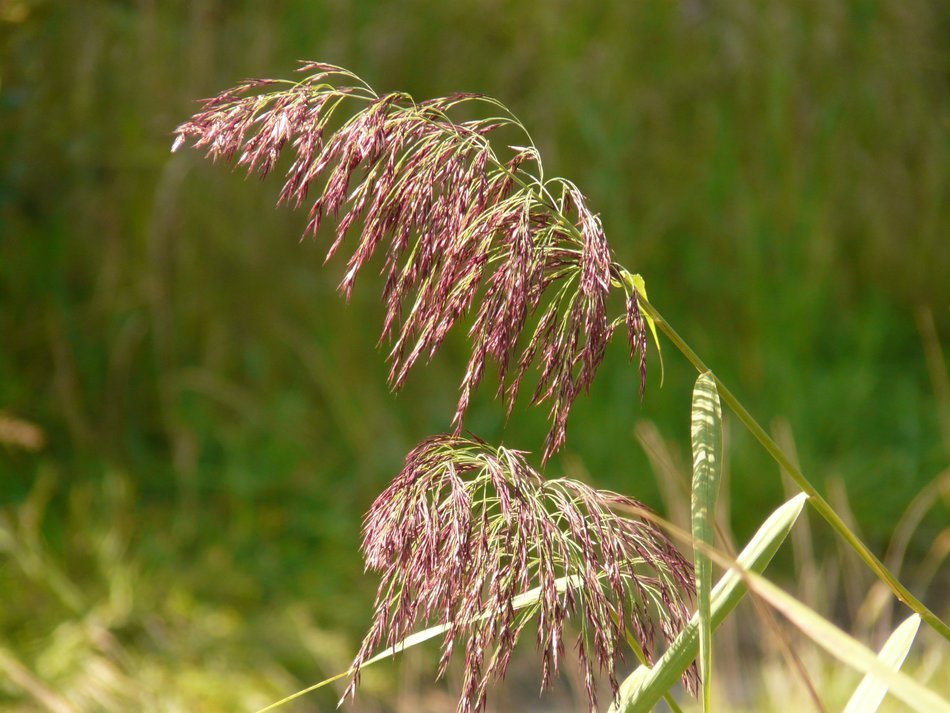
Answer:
(846, 649)
(706, 432)
(645, 686)
(520, 601)
(869, 694)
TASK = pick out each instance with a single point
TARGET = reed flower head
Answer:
(465, 530)
(461, 229)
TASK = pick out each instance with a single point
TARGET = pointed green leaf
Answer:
(706, 432)
(646, 685)
(869, 694)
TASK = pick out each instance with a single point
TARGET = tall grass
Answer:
(466, 229)
(792, 153)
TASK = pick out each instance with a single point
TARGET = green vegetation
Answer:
(216, 423)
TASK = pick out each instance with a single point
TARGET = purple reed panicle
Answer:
(461, 230)
(465, 529)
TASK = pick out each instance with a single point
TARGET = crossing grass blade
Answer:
(525, 599)
(706, 433)
(641, 691)
(846, 649)
(870, 692)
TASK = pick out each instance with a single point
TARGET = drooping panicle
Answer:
(637, 336)
(464, 529)
(461, 230)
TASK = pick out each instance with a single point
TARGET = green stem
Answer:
(815, 499)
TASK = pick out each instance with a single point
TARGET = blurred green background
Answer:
(215, 419)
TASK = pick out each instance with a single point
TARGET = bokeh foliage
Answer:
(778, 172)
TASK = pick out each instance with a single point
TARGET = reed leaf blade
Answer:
(870, 692)
(706, 433)
(646, 685)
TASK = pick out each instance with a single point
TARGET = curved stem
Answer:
(815, 499)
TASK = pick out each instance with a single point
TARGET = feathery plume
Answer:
(461, 230)
(465, 528)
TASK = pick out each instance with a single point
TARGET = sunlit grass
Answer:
(780, 170)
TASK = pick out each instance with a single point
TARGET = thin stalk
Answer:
(815, 499)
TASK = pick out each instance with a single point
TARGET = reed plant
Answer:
(450, 197)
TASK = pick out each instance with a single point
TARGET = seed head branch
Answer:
(461, 229)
